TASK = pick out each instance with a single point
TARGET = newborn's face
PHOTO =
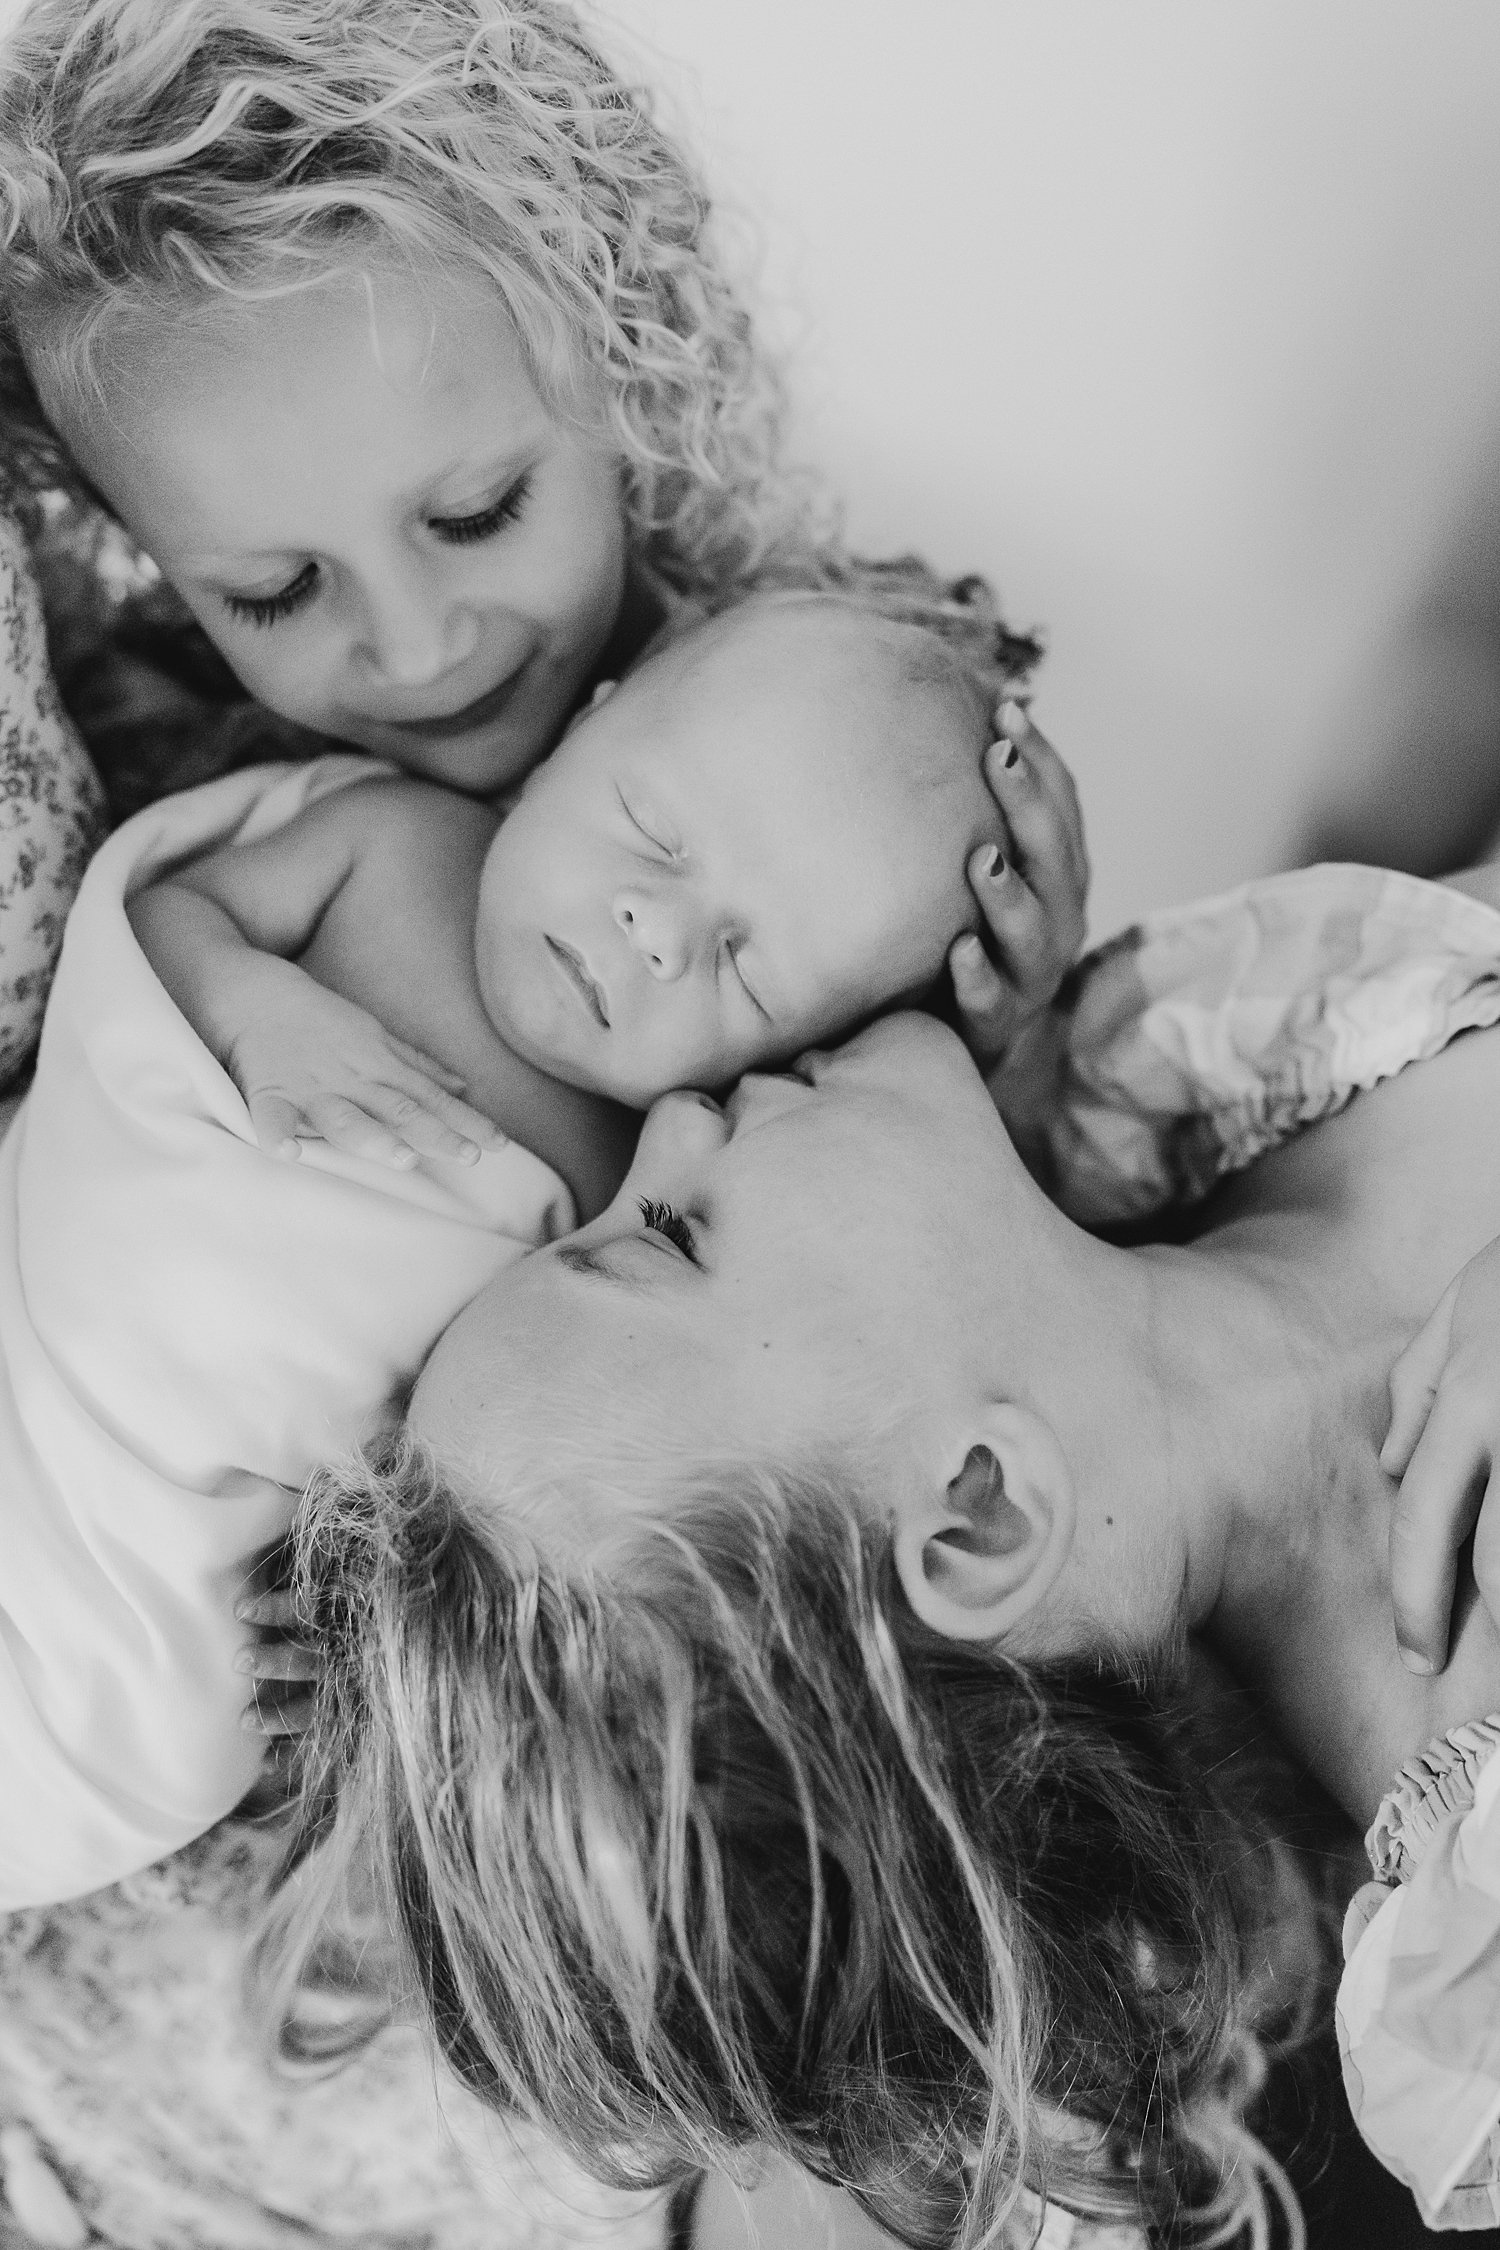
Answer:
(740, 853)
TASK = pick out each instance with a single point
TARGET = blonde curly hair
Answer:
(158, 151)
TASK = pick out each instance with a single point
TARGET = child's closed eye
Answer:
(456, 531)
(461, 531)
(265, 609)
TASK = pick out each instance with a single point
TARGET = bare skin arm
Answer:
(224, 934)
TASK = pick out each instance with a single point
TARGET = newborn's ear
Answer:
(984, 1550)
(602, 693)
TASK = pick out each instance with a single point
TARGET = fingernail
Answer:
(992, 863)
(1413, 1658)
(404, 1159)
(1012, 716)
(469, 1153)
(244, 1660)
(1010, 756)
(969, 951)
(290, 1148)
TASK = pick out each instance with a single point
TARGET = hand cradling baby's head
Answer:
(754, 842)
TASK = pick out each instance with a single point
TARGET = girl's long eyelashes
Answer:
(455, 531)
(265, 609)
(666, 1220)
(459, 531)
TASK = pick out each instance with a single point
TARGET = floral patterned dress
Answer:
(52, 812)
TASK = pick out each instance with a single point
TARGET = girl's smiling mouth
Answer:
(479, 713)
(575, 972)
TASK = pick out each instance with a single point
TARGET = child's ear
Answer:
(983, 1550)
(602, 693)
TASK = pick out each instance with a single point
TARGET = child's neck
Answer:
(643, 612)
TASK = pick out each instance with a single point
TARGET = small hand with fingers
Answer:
(1444, 1446)
(281, 1663)
(1032, 902)
(316, 1067)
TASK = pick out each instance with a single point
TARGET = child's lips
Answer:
(479, 713)
(575, 972)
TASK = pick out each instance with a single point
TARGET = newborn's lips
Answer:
(576, 971)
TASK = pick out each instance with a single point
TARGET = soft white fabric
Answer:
(1419, 2003)
(1209, 1033)
(187, 1327)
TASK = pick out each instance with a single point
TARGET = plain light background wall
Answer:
(1180, 318)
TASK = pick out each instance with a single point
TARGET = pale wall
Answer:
(1180, 318)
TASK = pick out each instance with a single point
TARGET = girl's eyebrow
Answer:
(483, 468)
(488, 468)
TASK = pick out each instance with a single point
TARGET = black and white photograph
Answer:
(749, 1124)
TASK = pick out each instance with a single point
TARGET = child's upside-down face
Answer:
(363, 499)
(754, 842)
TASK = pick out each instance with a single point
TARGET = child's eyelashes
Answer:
(265, 609)
(455, 531)
(458, 531)
(667, 1221)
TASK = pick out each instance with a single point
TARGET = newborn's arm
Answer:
(223, 934)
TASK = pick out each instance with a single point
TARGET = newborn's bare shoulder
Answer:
(419, 815)
(409, 831)
(397, 804)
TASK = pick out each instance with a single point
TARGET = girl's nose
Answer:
(654, 932)
(413, 638)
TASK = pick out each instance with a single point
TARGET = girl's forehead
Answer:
(429, 339)
(220, 426)
(368, 334)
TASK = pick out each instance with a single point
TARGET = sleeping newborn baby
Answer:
(758, 836)
(772, 828)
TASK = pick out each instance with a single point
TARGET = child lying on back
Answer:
(772, 828)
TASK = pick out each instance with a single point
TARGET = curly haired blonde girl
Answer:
(162, 158)
(240, 148)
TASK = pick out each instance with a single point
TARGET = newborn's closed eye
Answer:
(649, 825)
(729, 951)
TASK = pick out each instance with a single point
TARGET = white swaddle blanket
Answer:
(187, 1327)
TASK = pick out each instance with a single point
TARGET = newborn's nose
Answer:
(653, 931)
